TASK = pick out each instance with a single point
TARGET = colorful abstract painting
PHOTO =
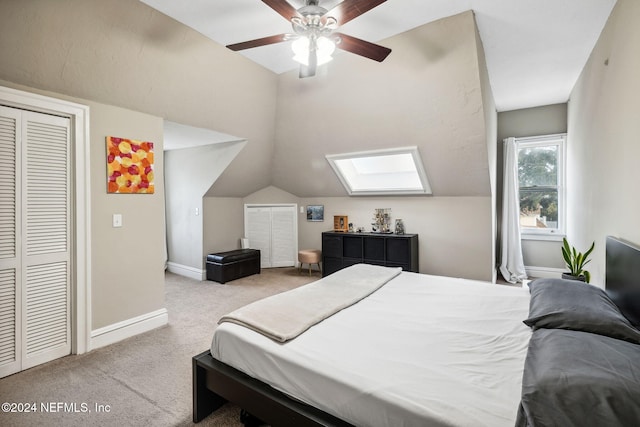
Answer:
(129, 166)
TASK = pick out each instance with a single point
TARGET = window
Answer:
(380, 172)
(541, 185)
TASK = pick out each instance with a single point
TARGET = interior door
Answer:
(258, 231)
(10, 227)
(283, 253)
(35, 226)
(273, 230)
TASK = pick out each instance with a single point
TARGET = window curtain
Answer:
(511, 264)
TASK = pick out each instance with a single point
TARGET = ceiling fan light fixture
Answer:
(324, 48)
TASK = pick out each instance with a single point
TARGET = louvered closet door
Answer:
(272, 229)
(46, 329)
(258, 231)
(39, 268)
(10, 303)
(282, 236)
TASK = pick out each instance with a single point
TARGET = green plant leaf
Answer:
(567, 259)
(587, 276)
(579, 263)
(590, 250)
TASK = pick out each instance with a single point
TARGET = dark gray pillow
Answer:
(569, 304)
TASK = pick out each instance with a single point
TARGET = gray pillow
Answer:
(569, 304)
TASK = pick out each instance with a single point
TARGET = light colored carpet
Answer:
(145, 380)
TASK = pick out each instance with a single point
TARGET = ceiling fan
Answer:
(314, 36)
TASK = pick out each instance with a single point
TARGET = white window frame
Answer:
(424, 189)
(560, 140)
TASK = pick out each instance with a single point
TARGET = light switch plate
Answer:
(117, 220)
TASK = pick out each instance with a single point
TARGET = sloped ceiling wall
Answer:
(426, 93)
(124, 53)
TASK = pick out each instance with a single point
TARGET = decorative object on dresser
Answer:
(341, 250)
(341, 223)
(399, 226)
(223, 267)
(381, 221)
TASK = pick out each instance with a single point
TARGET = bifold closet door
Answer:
(35, 226)
(258, 231)
(272, 230)
(282, 236)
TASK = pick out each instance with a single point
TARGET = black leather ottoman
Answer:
(226, 266)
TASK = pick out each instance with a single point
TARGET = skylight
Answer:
(396, 171)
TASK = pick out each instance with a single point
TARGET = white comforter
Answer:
(421, 351)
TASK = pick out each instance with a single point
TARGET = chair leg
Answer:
(309, 269)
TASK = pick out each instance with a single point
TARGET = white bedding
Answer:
(421, 351)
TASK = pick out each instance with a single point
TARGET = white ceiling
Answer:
(535, 49)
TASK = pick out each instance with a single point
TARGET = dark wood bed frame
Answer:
(215, 383)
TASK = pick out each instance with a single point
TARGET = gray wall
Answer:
(441, 101)
(127, 263)
(190, 174)
(454, 234)
(491, 129)
(544, 120)
(124, 53)
(427, 93)
(604, 149)
(133, 67)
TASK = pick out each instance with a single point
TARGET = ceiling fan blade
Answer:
(309, 70)
(362, 47)
(283, 8)
(257, 42)
(350, 9)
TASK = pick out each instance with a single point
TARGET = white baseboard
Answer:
(185, 270)
(544, 272)
(128, 328)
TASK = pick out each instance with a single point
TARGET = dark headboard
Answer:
(623, 277)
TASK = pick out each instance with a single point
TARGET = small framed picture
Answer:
(315, 213)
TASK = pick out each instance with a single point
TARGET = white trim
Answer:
(81, 292)
(552, 237)
(559, 139)
(186, 271)
(544, 272)
(129, 328)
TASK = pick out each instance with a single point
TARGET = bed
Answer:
(418, 350)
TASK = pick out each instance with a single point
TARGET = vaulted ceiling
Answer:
(428, 93)
(535, 49)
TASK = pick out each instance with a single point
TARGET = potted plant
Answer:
(575, 262)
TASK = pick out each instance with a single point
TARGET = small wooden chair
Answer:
(309, 256)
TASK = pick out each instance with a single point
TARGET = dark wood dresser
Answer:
(340, 250)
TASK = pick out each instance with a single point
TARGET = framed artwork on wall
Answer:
(129, 166)
(315, 213)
